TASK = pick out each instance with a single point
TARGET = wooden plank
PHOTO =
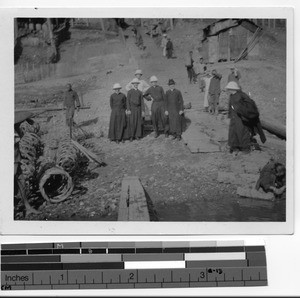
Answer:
(133, 204)
(90, 155)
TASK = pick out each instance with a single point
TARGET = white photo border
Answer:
(9, 226)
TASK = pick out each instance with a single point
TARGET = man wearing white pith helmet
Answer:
(117, 121)
(157, 94)
(142, 86)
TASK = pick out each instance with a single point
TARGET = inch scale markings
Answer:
(157, 265)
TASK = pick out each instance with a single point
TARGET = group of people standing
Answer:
(128, 112)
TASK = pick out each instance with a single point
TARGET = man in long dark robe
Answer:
(174, 109)
(117, 122)
(157, 94)
(239, 135)
(136, 110)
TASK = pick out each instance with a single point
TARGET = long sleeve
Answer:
(147, 93)
(111, 101)
(142, 102)
(229, 108)
(125, 102)
(166, 101)
(163, 93)
(180, 99)
(128, 107)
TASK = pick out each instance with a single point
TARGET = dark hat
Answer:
(171, 82)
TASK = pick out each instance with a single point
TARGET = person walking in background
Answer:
(207, 78)
(189, 64)
(163, 44)
(174, 110)
(214, 92)
(157, 95)
(169, 48)
(71, 101)
(142, 86)
(234, 75)
(200, 71)
(136, 110)
(117, 121)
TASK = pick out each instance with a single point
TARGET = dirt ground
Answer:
(180, 186)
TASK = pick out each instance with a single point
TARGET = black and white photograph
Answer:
(151, 120)
(181, 119)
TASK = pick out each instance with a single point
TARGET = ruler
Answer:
(122, 265)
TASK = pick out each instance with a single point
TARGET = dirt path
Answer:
(181, 186)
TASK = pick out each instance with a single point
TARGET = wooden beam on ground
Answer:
(53, 109)
(278, 130)
(133, 204)
(90, 155)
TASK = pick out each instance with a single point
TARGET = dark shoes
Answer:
(166, 135)
(156, 135)
(131, 139)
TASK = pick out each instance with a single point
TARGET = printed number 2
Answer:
(202, 274)
(131, 275)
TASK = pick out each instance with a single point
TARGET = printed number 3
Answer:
(202, 274)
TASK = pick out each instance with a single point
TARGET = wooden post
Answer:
(51, 36)
(228, 47)
(274, 23)
(269, 23)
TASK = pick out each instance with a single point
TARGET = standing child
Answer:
(117, 122)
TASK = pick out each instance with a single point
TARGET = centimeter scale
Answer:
(111, 265)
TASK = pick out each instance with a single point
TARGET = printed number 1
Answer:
(62, 277)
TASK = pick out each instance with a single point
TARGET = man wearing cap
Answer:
(71, 101)
(142, 86)
(174, 110)
(200, 71)
(136, 110)
(234, 75)
(117, 121)
(238, 135)
(163, 44)
(157, 94)
(214, 92)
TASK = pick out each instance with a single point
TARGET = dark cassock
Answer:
(117, 121)
(174, 104)
(239, 137)
(135, 104)
(158, 107)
